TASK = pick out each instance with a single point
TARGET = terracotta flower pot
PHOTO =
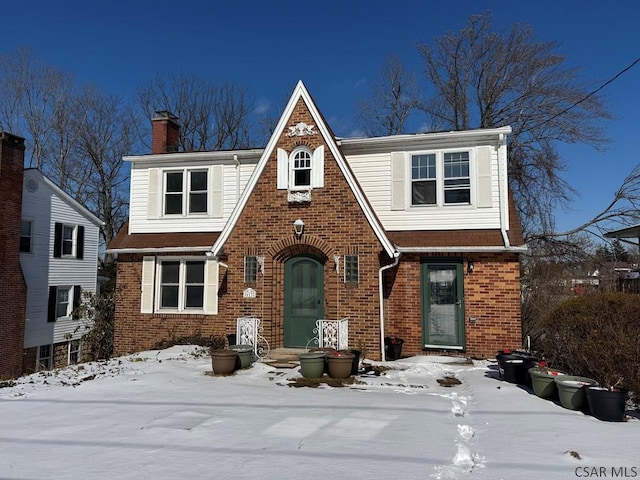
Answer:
(223, 361)
(340, 365)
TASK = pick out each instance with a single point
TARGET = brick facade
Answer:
(335, 224)
(12, 285)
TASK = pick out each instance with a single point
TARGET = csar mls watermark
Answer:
(607, 472)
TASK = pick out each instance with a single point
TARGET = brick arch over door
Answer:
(291, 246)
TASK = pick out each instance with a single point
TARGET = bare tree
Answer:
(482, 79)
(212, 116)
(395, 95)
(106, 129)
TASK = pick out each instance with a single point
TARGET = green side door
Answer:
(442, 304)
(303, 299)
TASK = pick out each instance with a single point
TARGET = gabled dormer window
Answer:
(300, 171)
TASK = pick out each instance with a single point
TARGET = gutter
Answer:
(381, 292)
(473, 248)
(159, 250)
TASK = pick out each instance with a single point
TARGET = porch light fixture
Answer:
(298, 228)
(470, 266)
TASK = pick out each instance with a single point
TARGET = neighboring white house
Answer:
(59, 259)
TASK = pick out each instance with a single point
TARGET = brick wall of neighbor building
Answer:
(12, 285)
(491, 296)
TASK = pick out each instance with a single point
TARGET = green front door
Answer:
(442, 304)
(303, 299)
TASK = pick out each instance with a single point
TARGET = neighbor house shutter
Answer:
(57, 240)
(148, 277)
(53, 299)
(80, 242)
(484, 177)
(217, 198)
(77, 300)
(153, 201)
(317, 167)
(211, 287)
(283, 170)
(398, 177)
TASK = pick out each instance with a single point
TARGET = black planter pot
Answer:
(514, 366)
(356, 362)
(607, 405)
(393, 347)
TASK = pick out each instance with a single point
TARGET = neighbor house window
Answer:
(351, 269)
(301, 166)
(457, 184)
(68, 241)
(63, 301)
(423, 179)
(185, 191)
(26, 236)
(73, 356)
(45, 358)
(250, 269)
(182, 284)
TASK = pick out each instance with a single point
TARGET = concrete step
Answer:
(284, 357)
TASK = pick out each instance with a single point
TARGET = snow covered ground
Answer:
(160, 415)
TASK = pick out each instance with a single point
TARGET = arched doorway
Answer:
(303, 299)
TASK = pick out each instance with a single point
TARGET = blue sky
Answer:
(336, 48)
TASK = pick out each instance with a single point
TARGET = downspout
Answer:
(503, 188)
(237, 162)
(381, 291)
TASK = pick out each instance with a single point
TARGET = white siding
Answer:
(374, 175)
(45, 207)
(234, 180)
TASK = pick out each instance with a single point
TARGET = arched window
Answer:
(301, 168)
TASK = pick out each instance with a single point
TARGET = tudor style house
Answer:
(407, 235)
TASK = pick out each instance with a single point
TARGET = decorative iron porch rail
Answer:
(249, 332)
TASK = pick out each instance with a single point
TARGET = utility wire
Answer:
(611, 80)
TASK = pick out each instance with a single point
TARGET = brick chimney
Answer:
(165, 132)
(13, 290)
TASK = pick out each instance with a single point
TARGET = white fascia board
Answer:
(186, 157)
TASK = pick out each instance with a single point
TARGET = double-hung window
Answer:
(68, 241)
(423, 179)
(457, 183)
(64, 300)
(73, 353)
(185, 191)
(301, 165)
(45, 358)
(182, 285)
(441, 178)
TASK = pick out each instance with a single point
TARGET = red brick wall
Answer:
(491, 296)
(12, 286)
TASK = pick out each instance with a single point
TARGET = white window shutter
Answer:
(398, 178)
(317, 167)
(211, 287)
(216, 199)
(148, 276)
(283, 169)
(153, 201)
(484, 177)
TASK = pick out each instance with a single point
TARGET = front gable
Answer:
(302, 170)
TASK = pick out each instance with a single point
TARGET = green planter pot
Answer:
(312, 364)
(223, 361)
(340, 365)
(245, 355)
(572, 390)
(543, 382)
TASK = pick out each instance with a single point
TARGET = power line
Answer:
(611, 80)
